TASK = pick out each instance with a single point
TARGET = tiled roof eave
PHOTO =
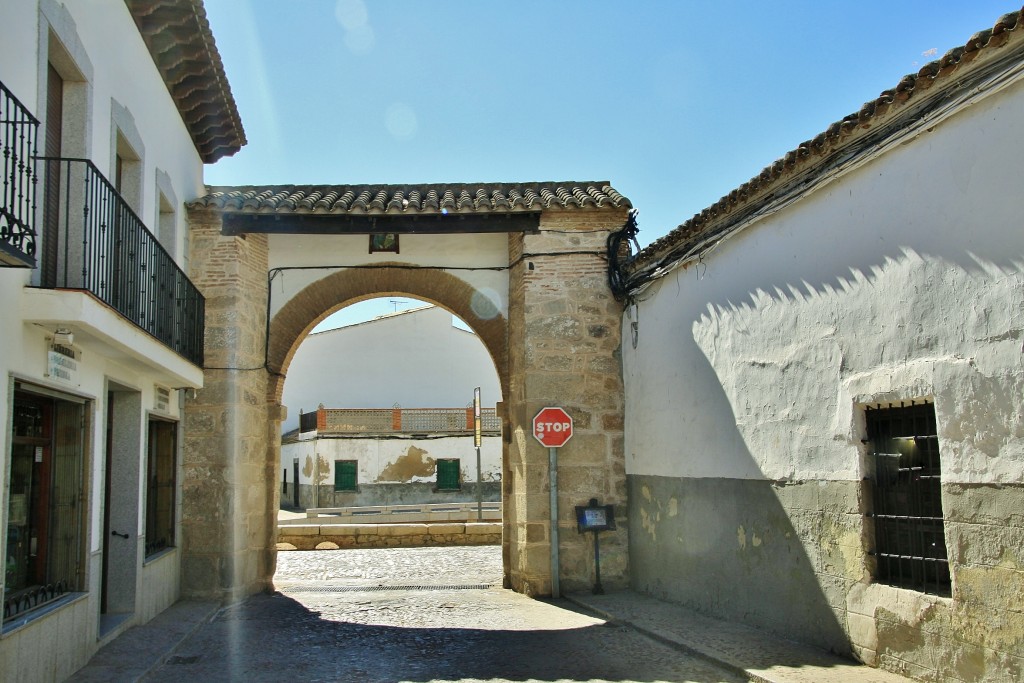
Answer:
(936, 86)
(180, 41)
(453, 199)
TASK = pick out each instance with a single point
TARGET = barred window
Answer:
(345, 478)
(161, 468)
(906, 498)
(448, 475)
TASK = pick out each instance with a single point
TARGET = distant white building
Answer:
(416, 358)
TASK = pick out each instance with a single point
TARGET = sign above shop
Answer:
(62, 363)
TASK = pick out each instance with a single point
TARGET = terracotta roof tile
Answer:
(179, 39)
(413, 199)
(816, 154)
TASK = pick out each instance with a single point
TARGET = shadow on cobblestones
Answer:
(275, 637)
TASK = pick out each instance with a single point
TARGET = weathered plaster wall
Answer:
(391, 471)
(417, 359)
(901, 280)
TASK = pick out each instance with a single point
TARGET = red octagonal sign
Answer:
(552, 427)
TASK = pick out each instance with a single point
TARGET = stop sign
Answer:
(552, 427)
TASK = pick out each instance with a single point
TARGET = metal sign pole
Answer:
(598, 588)
(553, 474)
(476, 441)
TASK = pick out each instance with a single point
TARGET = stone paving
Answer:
(415, 615)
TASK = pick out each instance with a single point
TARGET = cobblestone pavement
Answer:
(416, 615)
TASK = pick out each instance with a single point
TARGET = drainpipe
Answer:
(553, 478)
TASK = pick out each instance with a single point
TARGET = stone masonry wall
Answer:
(564, 336)
(228, 483)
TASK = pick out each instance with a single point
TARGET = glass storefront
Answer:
(45, 513)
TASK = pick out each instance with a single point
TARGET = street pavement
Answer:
(417, 615)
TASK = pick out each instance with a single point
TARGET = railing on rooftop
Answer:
(18, 132)
(398, 420)
(96, 243)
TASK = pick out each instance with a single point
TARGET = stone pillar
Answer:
(564, 336)
(228, 516)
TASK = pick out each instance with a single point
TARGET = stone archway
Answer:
(557, 345)
(290, 326)
(307, 308)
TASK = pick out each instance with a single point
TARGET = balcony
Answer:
(18, 131)
(93, 242)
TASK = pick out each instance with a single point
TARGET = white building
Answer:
(102, 328)
(416, 358)
(825, 388)
(413, 359)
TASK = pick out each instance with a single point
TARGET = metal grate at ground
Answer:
(358, 589)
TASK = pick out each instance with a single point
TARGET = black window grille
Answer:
(906, 498)
(448, 474)
(345, 475)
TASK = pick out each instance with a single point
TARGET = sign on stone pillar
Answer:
(564, 350)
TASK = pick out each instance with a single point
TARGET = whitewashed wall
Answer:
(102, 39)
(308, 258)
(902, 280)
(415, 358)
(744, 391)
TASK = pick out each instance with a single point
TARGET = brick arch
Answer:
(290, 326)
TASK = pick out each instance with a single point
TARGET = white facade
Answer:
(415, 358)
(126, 386)
(478, 259)
(746, 388)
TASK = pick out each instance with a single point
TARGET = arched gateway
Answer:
(523, 264)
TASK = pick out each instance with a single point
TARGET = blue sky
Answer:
(676, 103)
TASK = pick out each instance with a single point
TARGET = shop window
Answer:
(161, 468)
(906, 498)
(448, 475)
(345, 478)
(46, 506)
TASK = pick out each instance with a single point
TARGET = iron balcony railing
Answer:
(95, 242)
(18, 131)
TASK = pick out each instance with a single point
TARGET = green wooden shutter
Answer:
(448, 475)
(345, 475)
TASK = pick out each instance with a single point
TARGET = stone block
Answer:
(402, 529)
(446, 529)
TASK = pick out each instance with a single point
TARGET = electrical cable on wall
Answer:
(619, 256)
